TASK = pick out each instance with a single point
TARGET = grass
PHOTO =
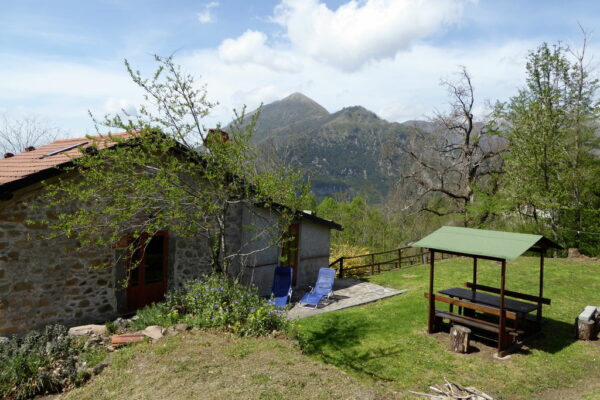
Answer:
(386, 342)
(205, 365)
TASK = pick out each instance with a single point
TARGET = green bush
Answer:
(39, 363)
(216, 302)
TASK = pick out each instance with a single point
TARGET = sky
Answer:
(61, 59)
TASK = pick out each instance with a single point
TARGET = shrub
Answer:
(216, 301)
(41, 362)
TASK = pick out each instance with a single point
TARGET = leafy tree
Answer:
(170, 172)
(551, 125)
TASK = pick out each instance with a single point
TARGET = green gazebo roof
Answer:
(480, 242)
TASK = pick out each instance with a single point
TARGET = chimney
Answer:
(8, 155)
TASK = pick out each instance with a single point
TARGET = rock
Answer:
(4, 339)
(154, 332)
(88, 330)
(171, 331)
(94, 340)
(121, 324)
(182, 327)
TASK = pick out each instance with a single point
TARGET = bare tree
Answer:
(17, 134)
(454, 162)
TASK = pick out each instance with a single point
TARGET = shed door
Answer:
(289, 252)
(148, 281)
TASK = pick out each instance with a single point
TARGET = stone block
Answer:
(13, 217)
(87, 330)
(21, 286)
(588, 313)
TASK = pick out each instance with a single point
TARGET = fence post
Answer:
(399, 258)
(341, 267)
(423, 258)
(372, 264)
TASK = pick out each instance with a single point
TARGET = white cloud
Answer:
(360, 31)
(251, 47)
(400, 88)
(115, 105)
(206, 16)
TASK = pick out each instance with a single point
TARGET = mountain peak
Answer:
(301, 99)
(297, 96)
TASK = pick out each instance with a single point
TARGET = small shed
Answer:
(484, 307)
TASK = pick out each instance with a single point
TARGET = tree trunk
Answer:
(460, 337)
(586, 330)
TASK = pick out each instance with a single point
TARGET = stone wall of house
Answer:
(46, 281)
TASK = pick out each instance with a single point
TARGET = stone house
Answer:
(45, 281)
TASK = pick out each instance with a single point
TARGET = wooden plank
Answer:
(471, 306)
(473, 322)
(516, 295)
(117, 340)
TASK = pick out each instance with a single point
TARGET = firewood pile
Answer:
(453, 391)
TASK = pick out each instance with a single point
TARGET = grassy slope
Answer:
(386, 341)
(204, 365)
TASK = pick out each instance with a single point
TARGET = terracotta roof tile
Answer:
(30, 162)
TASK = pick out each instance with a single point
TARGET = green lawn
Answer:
(386, 342)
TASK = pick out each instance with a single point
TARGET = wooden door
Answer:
(148, 281)
(290, 250)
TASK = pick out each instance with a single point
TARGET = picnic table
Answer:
(521, 308)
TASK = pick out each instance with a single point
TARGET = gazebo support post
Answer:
(431, 324)
(502, 331)
(474, 288)
(539, 310)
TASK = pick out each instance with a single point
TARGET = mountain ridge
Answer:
(343, 152)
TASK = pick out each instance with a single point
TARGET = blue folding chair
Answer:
(323, 288)
(281, 292)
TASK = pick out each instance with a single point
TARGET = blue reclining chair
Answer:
(323, 288)
(281, 292)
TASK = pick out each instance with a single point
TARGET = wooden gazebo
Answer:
(483, 307)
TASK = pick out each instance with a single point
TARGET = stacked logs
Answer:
(587, 324)
(454, 391)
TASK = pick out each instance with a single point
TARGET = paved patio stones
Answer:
(347, 293)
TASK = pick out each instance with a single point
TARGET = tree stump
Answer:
(586, 330)
(460, 337)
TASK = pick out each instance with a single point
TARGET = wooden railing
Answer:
(381, 261)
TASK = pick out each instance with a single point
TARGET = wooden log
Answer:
(585, 330)
(460, 337)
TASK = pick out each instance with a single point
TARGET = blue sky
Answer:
(62, 58)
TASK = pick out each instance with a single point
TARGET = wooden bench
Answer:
(474, 322)
(473, 306)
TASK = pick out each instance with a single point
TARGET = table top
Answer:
(490, 300)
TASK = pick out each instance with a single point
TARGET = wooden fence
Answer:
(375, 263)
